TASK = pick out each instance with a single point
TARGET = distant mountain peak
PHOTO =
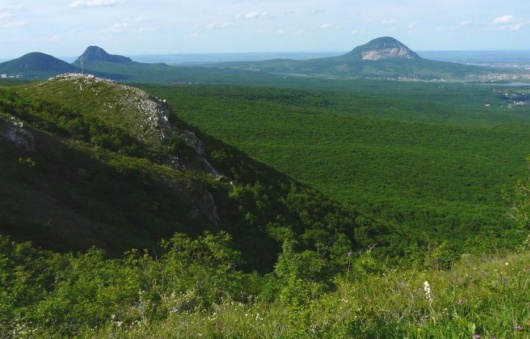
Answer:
(384, 48)
(98, 54)
(36, 62)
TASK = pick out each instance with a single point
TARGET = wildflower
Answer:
(517, 327)
(349, 254)
(427, 289)
(476, 336)
(460, 301)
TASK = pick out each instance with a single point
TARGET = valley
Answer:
(370, 194)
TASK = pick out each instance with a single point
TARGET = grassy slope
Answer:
(484, 296)
(92, 181)
(194, 291)
(73, 197)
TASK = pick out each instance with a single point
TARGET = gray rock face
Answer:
(388, 53)
(14, 132)
(383, 49)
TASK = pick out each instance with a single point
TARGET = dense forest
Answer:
(427, 168)
(307, 208)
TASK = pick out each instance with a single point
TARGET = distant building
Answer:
(3, 76)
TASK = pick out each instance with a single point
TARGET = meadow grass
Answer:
(484, 296)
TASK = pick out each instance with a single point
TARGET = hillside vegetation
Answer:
(312, 209)
(112, 167)
(194, 291)
(427, 168)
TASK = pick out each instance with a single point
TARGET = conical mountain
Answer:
(383, 48)
(36, 63)
(380, 58)
(97, 54)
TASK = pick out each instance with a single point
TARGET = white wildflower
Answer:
(428, 291)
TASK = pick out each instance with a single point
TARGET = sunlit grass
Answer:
(484, 296)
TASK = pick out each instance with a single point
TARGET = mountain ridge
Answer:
(98, 54)
(381, 58)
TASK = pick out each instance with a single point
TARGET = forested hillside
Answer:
(111, 166)
(312, 209)
(428, 168)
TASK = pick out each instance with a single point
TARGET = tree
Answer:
(520, 210)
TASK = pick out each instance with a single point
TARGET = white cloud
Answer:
(389, 22)
(327, 26)
(324, 24)
(508, 22)
(54, 38)
(318, 11)
(251, 15)
(94, 3)
(117, 28)
(148, 29)
(505, 19)
(13, 24)
(517, 26)
(223, 25)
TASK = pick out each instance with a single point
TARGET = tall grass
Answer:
(483, 296)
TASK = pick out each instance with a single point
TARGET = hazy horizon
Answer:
(201, 57)
(133, 27)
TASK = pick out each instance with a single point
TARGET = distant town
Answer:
(9, 76)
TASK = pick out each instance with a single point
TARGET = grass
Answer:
(484, 295)
(196, 289)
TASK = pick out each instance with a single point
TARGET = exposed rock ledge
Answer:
(387, 53)
(14, 132)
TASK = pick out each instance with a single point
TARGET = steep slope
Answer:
(98, 54)
(143, 117)
(112, 166)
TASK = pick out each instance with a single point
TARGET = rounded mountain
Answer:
(383, 48)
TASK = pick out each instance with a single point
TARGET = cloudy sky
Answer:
(65, 28)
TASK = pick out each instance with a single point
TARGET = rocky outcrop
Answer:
(14, 132)
(196, 144)
(146, 118)
(382, 49)
(387, 53)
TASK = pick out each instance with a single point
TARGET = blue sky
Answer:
(132, 27)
